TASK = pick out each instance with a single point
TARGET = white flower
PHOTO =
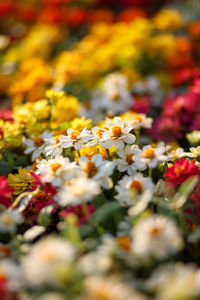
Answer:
(131, 188)
(98, 169)
(44, 259)
(156, 236)
(36, 145)
(126, 162)
(116, 133)
(57, 169)
(9, 220)
(12, 274)
(138, 121)
(176, 281)
(195, 152)
(151, 156)
(114, 95)
(98, 288)
(178, 153)
(77, 191)
(75, 138)
(53, 147)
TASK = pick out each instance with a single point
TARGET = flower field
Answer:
(99, 150)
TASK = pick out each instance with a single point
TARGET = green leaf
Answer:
(184, 191)
(5, 168)
(105, 211)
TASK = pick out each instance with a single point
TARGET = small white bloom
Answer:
(9, 220)
(98, 169)
(45, 257)
(12, 274)
(77, 191)
(131, 188)
(176, 281)
(75, 139)
(57, 169)
(116, 133)
(151, 156)
(126, 162)
(195, 152)
(156, 236)
(138, 121)
(36, 145)
(97, 288)
(179, 152)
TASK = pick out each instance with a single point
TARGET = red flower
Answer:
(5, 192)
(78, 211)
(181, 171)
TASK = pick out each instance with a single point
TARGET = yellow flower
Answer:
(80, 123)
(21, 182)
(66, 108)
(167, 19)
(90, 151)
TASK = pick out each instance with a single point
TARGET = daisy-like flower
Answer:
(130, 188)
(37, 144)
(57, 169)
(151, 156)
(98, 169)
(75, 138)
(156, 236)
(79, 190)
(99, 288)
(126, 162)
(181, 171)
(195, 152)
(53, 147)
(176, 281)
(117, 133)
(136, 120)
(179, 153)
(44, 259)
(114, 95)
(9, 221)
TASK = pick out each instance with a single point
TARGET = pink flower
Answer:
(181, 171)
(78, 211)
(5, 192)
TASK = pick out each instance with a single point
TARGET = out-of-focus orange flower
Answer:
(194, 29)
(182, 57)
(130, 14)
(75, 16)
(100, 15)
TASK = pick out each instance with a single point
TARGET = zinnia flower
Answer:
(181, 171)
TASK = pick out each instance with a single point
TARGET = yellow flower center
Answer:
(138, 117)
(101, 294)
(149, 153)
(178, 171)
(55, 167)
(124, 242)
(117, 131)
(74, 134)
(6, 220)
(129, 158)
(155, 230)
(90, 169)
(115, 97)
(136, 186)
(38, 141)
(56, 139)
